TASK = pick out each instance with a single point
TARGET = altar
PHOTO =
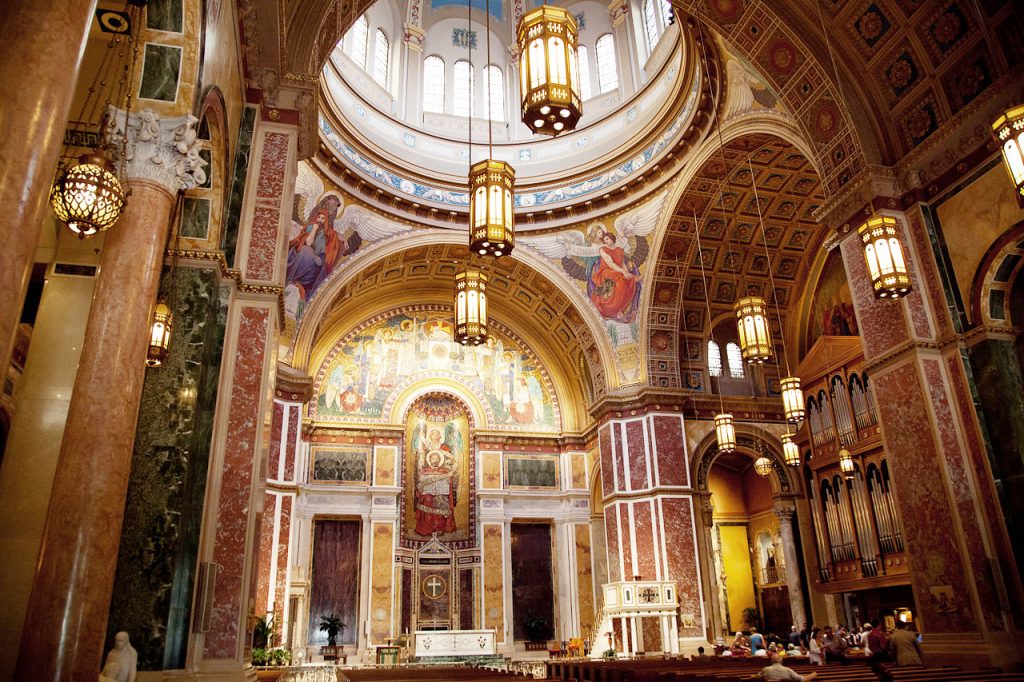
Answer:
(455, 643)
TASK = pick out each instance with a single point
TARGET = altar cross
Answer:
(435, 586)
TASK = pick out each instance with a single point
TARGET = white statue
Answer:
(110, 671)
(122, 661)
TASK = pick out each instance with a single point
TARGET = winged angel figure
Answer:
(320, 237)
(608, 260)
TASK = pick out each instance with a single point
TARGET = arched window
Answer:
(433, 84)
(735, 359)
(650, 25)
(584, 60)
(381, 52)
(462, 89)
(607, 74)
(494, 81)
(357, 38)
(714, 359)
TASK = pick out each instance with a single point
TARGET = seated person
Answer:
(777, 672)
(701, 656)
(740, 645)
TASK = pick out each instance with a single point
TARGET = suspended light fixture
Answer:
(846, 463)
(470, 307)
(1008, 131)
(548, 72)
(790, 450)
(725, 432)
(491, 184)
(492, 232)
(752, 325)
(159, 335)
(884, 255)
(88, 195)
(792, 399)
(763, 466)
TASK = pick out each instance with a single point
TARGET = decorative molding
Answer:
(164, 151)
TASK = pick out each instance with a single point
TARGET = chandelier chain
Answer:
(771, 274)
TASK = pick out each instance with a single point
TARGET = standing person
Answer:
(835, 646)
(904, 646)
(814, 653)
(777, 672)
(757, 647)
(878, 643)
(794, 636)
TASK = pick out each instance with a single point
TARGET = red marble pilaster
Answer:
(235, 513)
(953, 532)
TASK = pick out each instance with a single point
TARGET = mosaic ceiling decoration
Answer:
(733, 248)
(514, 289)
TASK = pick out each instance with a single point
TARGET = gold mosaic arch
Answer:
(407, 385)
(555, 320)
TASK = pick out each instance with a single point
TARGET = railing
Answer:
(772, 574)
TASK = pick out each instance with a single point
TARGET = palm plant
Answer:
(332, 625)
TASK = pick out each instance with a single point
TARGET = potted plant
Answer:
(262, 632)
(537, 629)
(270, 663)
(333, 626)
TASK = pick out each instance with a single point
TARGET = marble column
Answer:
(67, 614)
(650, 519)
(235, 515)
(39, 74)
(962, 568)
(794, 580)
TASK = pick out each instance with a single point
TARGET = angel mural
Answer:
(607, 260)
(436, 446)
(323, 232)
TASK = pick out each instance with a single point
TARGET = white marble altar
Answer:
(455, 643)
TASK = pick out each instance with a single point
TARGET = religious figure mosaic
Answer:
(437, 499)
(832, 306)
(374, 364)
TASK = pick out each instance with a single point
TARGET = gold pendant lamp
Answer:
(883, 253)
(548, 70)
(790, 450)
(1008, 131)
(471, 307)
(752, 327)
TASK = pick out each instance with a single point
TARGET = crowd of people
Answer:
(879, 647)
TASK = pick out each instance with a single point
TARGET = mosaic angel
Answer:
(607, 259)
(323, 233)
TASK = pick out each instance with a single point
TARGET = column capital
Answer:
(162, 150)
(785, 512)
(413, 36)
(617, 10)
(872, 184)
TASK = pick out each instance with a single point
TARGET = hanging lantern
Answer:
(884, 255)
(725, 432)
(159, 335)
(792, 399)
(470, 307)
(790, 450)
(88, 197)
(752, 325)
(548, 73)
(491, 230)
(1009, 133)
(763, 466)
(846, 463)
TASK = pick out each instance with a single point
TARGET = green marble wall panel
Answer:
(998, 380)
(157, 559)
(233, 205)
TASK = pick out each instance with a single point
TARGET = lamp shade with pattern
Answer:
(470, 307)
(884, 255)
(763, 466)
(752, 326)
(548, 70)
(88, 197)
(792, 399)
(491, 222)
(1008, 130)
(846, 464)
(790, 450)
(159, 335)
(725, 432)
